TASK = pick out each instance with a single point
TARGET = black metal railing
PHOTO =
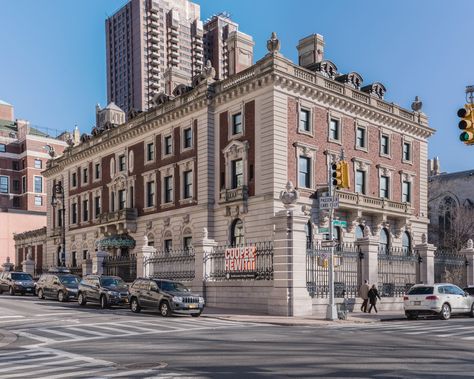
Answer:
(347, 269)
(124, 267)
(171, 264)
(398, 270)
(252, 261)
(75, 270)
(450, 266)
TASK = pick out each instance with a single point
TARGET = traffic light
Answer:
(340, 174)
(467, 124)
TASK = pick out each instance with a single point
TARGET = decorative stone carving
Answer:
(367, 232)
(290, 196)
(417, 104)
(306, 209)
(145, 240)
(273, 44)
(470, 244)
(96, 233)
(73, 238)
(51, 151)
(149, 225)
(208, 71)
(423, 238)
(166, 221)
(29, 256)
(186, 218)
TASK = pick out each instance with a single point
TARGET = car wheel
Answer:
(134, 306)
(103, 302)
(165, 310)
(81, 299)
(471, 313)
(1, 291)
(445, 313)
(61, 297)
(40, 294)
(411, 315)
(11, 291)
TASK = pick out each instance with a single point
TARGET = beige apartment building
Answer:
(154, 45)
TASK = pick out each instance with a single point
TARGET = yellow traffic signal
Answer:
(467, 124)
(340, 174)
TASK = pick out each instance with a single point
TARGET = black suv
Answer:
(59, 286)
(166, 296)
(17, 282)
(105, 290)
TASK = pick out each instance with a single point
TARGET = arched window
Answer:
(359, 232)
(384, 241)
(237, 233)
(406, 243)
(309, 234)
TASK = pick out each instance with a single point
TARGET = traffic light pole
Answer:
(331, 312)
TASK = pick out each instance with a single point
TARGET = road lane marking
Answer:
(87, 331)
(57, 332)
(16, 316)
(55, 314)
(62, 366)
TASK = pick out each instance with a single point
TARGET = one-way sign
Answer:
(328, 202)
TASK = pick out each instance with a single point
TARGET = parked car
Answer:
(165, 296)
(443, 299)
(17, 282)
(60, 286)
(469, 290)
(105, 290)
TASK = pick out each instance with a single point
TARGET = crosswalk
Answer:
(461, 330)
(109, 329)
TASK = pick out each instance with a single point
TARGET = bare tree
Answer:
(454, 228)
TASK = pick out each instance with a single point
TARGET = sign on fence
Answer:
(240, 262)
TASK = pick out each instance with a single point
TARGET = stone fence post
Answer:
(87, 267)
(8, 266)
(98, 261)
(29, 264)
(369, 246)
(201, 264)
(469, 252)
(426, 253)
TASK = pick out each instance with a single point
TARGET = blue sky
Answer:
(52, 54)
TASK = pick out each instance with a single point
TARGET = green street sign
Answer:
(342, 224)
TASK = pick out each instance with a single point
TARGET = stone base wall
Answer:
(353, 305)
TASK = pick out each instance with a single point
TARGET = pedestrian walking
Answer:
(373, 295)
(364, 295)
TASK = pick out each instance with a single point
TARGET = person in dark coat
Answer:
(373, 295)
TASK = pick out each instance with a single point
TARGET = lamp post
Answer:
(58, 197)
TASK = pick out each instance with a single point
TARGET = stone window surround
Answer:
(187, 165)
(409, 141)
(230, 113)
(233, 151)
(119, 153)
(74, 200)
(389, 135)
(94, 163)
(146, 142)
(82, 197)
(361, 125)
(407, 176)
(164, 135)
(182, 130)
(86, 167)
(307, 151)
(164, 172)
(34, 183)
(361, 164)
(149, 176)
(71, 172)
(120, 182)
(307, 106)
(96, 193)
(332, 115)
(384, 170)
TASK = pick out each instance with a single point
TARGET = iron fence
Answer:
(171, 264)
(75, 270)
(398, 270)
(253, 261)
(347, 269)
(124, 267)
(450, 267)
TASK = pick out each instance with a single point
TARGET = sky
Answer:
(52, 54)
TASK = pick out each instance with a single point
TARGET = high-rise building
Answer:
(155, 45)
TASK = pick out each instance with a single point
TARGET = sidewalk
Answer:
(247, 316)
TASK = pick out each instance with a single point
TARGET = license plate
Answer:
(417, 302)
(193, 305)
(28, 289)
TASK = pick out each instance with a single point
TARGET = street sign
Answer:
(342, 224)
(327, 202)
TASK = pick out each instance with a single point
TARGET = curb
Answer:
(8, 338)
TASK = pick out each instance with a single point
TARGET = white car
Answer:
(443, 299)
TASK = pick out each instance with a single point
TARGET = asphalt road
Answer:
(55, 340)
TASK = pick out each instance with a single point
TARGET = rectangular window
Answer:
(38, 200)
(38, 163)
(121, 199)
(122, 163)
(360, 182)
(74, 213)
(3, 148)
(305, 125)
(188, 243)
(97, 171)
(168, 189)
(360, 137)
(112, 202)
(150, 194)
(60, 217)
(38, 184)
(237, 173)
(304, 172)
(85, 175)
(384, 145)
(406, 151)
(384, 186)
(406, 192)
(188, 138)
(168, 245)
(85, 210)
(168, 145)
(23, 184)
(237, 123)
(16, 185)
(334, 129)
(4, 184)
(97, 206)
(150, 151)
(15, 166)
(188, 184)
(74, 179)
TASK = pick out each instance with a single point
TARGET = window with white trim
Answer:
(334, 129)
(187, 138)
(168, 147)
(168, 189)
(122, 198)
(150, 151)
(304, 172)
(237, 123)
(385, 144)
(85, 210)
(38, 163)
(38, 200)
(38, 184)
(74, 213)
(150, 194)
(237, 173)
(384, 186)
(407, 153)
(85, 175)
(406, 191)
(187, 184)
(122, 165)
(3, 148)
(361, 137)
(305, 121)
(97, 206)
(360, 184)
(74, 179)
(97, 171)
(4, 184)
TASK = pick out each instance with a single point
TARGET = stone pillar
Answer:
(87, 267)
(426, 252)
(8, 266)
(144, 267)
(201, 264)
(369, 246)
(289, 296)
(29, 264)
(97, 262)
(469, 252)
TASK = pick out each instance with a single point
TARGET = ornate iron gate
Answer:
(450, 267)
(172, 264)
(124, 267)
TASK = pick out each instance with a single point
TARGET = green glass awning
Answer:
(116, 241)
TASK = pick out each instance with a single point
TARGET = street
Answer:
(57, 340)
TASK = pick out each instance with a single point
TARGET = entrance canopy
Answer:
(116, 241)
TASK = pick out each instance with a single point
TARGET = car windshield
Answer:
(112, 282)
(421, 291)
(21, 276)
(69, 280)
(173, 286)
